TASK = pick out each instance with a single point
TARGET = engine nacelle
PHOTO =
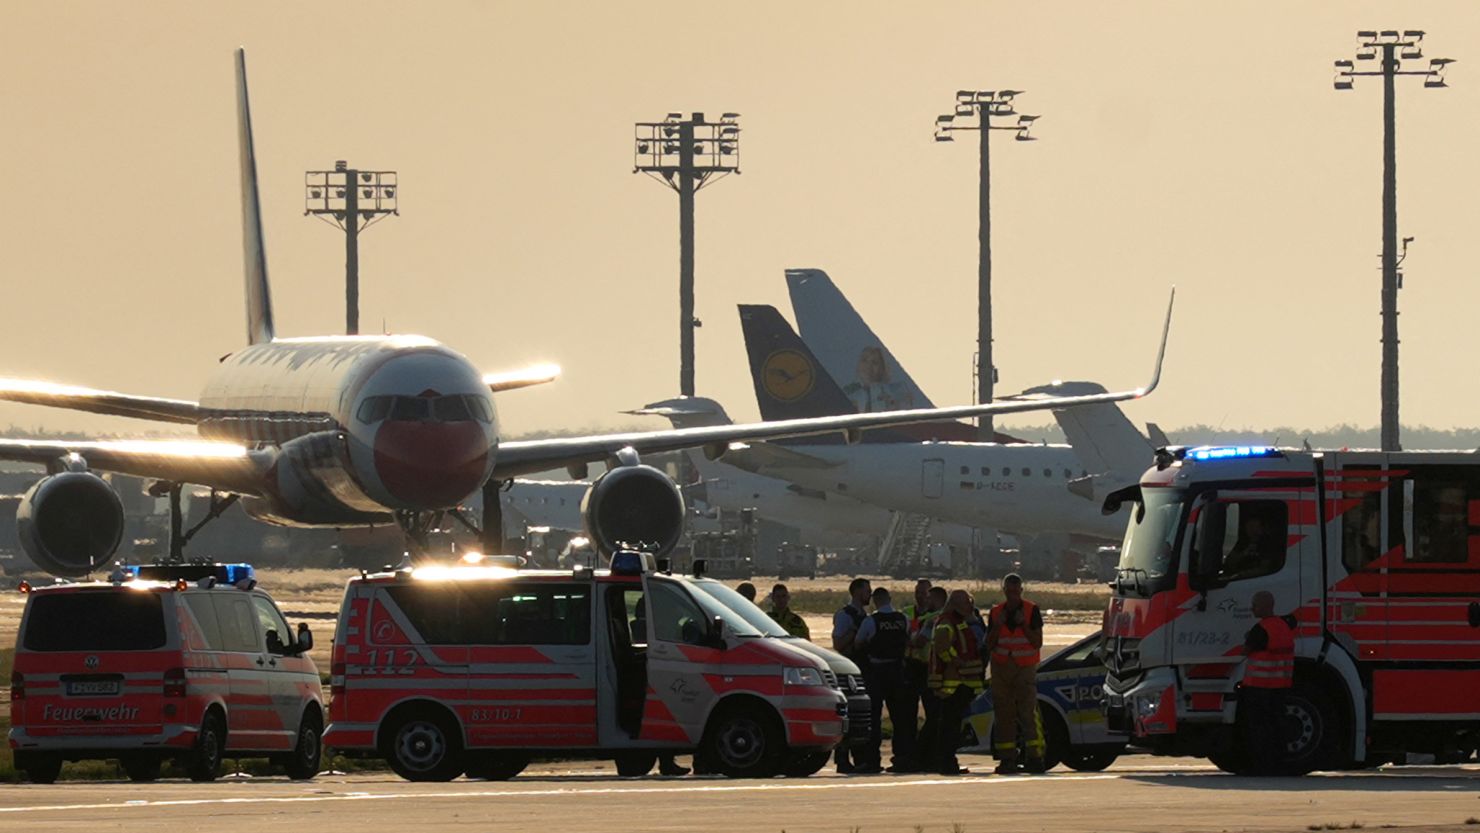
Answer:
(633, 507)
(70, 523)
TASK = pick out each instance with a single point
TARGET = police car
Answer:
(189, 662)
(1071, 683)
(474, 668)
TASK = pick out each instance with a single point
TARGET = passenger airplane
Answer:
(1022, 488)
(349, 430)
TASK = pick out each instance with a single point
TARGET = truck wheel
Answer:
(1092, 759)
(303, 763)
(204, 761)
(1313, 732)
(141, 768)
(496, 766)
(806, 764)
(424, 746)
(745, 742)
(43, 768)
(635, 764)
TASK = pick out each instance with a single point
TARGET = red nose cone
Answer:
(430, 465)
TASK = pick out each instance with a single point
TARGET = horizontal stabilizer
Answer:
(98, 401)
(539, 374)
(686, 411)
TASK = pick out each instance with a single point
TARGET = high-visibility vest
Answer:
(920, 620)
(1273, 667)
(961, 663)
(1012, 643)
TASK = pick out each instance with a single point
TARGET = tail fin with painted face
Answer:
(254, 248)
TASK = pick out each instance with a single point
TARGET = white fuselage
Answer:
(1022, 488)
(362, 426)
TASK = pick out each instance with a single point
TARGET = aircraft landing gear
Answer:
(179, 536)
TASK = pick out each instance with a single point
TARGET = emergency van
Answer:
(1376, 556)
(188, 662)
(472, 668)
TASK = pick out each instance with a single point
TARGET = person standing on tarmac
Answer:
(846, 623)
(1269, 672)
(1014, 642)
(954, 679)
(783, 614)
(884, 638)
(918, 664)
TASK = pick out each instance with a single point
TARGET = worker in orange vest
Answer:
(1269, 672)
(1014, 642)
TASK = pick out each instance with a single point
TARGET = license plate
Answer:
(94, 688)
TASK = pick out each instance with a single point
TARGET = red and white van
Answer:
(474, 668)
(189, 662)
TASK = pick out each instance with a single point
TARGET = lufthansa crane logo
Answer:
(787, 375)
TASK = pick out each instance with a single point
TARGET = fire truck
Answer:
(181, 661)
(1377, 557)
(475, 667)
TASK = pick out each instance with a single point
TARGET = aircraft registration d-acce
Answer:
(342, 431)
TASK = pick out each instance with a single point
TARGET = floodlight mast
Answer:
(352, 200)
(686, 155)
(979, 107)
(1392, 47)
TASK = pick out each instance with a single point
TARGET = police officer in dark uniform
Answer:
(884, 639)
(846, 623)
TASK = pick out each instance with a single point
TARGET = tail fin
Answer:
(844, 342)
(254, 248)
(789, 381)
(1105, 441)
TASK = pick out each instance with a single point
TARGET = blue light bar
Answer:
(222, 573)
(1233, 452)
(626, 563)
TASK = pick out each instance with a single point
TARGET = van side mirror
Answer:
(717, 632)
(303, 644)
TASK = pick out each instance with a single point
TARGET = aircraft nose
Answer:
(431, 465)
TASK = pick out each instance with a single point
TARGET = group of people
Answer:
(933, 655)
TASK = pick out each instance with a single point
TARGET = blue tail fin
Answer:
(789, 381)
(254, 248)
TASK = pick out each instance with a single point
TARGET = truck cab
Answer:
(474, 668)
(1375, 555)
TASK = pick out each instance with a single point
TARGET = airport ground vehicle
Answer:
(474, 667)
(1376, 555)
(190, 662)
(1070, 689)
(796, 560)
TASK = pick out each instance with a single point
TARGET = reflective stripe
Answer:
(963, 655)
(1273, 667)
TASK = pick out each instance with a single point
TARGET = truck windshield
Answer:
(712, 607)
(743, 607)
(1148, 556)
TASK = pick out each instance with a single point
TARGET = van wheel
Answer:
(204, 761)
(43, 768)
(424, 746)
(805, 764)
(142, 768)
(635, 764)
(745, 742)
(496, 766)
(303, 763)
(1094, 759)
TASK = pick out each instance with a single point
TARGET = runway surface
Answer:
(1138, 794)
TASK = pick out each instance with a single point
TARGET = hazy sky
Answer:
(1179, 143)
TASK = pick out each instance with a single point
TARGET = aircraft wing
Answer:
(225, 466)
(98, 401)
(524, 377)
(519, 457)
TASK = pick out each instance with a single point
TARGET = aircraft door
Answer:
(932, 478)
(1241, 542)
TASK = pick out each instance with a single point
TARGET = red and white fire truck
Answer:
(473, 668)
(190, 662)
(1376, 555)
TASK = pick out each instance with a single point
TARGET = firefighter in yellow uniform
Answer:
(1014, 642)
(953, 680)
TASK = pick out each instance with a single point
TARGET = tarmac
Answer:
(1139, 793)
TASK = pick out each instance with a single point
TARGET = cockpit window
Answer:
(452, 408)
(374, 409)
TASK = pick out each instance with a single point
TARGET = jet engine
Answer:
(633, 507)
(70, 523)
